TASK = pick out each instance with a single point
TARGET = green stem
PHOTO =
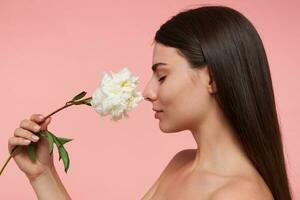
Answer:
(68, 104)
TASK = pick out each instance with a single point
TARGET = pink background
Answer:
(52, 50)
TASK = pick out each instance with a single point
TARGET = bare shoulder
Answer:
(178, 160)
(184, 156)
(241, 189)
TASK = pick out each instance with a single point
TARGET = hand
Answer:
(23, 136)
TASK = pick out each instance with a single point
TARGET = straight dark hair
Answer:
(225, 41)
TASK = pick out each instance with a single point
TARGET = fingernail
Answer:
(26, 141)
(41, 117)
(35, 138)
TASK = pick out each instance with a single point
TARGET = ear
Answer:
(211, 87)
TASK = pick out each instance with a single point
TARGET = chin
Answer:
(169, 129)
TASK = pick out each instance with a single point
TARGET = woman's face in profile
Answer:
(179, 91)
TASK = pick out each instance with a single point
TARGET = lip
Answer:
(157, 114)
(156, 110)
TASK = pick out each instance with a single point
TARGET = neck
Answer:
(218, 151)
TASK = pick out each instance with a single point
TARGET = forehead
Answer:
(169, 55)
(162, 53)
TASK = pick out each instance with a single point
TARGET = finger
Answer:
(19, 132)
(14, 141)
(30, 125)
(45, 124)
(39, 118)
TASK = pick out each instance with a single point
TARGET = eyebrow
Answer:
(156, 65)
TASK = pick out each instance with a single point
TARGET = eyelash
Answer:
(161, 79)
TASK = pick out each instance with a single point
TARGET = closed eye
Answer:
(162, 78)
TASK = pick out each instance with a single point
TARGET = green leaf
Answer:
(79, 96)
(60, 141)
(65, 157)
(64, 140)
(86, 103)
(50, 142)
(31, 151)
(63, 154)
(57, 142)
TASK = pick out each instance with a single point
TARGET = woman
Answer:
(211, 77)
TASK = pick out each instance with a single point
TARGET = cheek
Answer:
(192, 107)
(184, 106)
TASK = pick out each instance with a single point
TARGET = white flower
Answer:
(116, 94)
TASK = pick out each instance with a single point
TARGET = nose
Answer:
(149, 92)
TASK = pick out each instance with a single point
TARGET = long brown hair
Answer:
(226, 41)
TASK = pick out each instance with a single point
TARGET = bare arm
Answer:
(49, 186)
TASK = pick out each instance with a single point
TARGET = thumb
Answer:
(45, 124)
